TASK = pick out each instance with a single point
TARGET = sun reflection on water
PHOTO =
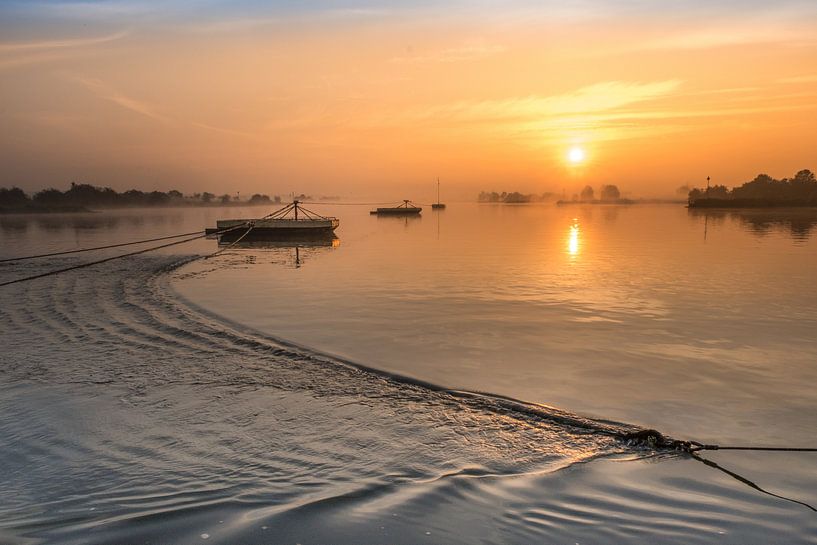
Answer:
(573, 239)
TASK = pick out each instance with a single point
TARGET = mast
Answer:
(438, 190)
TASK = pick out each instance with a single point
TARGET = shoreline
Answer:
(79, 209)
(733, 204)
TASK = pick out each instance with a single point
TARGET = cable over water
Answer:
(112, 258)
(67, 252)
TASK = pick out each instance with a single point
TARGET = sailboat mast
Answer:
(438, 190)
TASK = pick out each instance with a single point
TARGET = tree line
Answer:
(80, 196)
(763, 190)
(514, 197)
(607, 193)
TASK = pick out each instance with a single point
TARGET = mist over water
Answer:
(155, 398)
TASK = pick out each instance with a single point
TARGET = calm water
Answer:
(158, 398)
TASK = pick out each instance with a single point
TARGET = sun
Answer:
(576, 155)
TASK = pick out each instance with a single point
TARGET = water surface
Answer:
(701, 325)
(158, 399)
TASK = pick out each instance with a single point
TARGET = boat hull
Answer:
(283, 228)
(397, 211)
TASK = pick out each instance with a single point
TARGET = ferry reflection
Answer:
(798, 222)
(573, 239)
(290, 251)
(406, 220)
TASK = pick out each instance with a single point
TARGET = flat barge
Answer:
(291, 221)
(405, 209)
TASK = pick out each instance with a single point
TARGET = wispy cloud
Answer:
(592, 98)
(455, 54)
(224, 130)
(69, 43)
(35, 58)
(17, 54)
(725, 36)
(105, 92)
(91, 10)
(807, 78)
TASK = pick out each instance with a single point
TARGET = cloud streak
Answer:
(17, 54)
(454, 54)
(105, 92)
(12, 47)
(592, 98)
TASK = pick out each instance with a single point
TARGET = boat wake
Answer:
(123, 403)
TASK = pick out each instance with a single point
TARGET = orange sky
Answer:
(381, 101)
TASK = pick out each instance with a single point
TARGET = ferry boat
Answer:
(406, 209)
(291, 221)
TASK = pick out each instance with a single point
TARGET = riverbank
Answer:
(43, 209)
(749, 203)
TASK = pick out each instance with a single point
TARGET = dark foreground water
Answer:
(154, 400)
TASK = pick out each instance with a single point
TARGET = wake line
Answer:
(487, 401)
(633, 436)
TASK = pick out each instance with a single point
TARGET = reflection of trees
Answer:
(11, 223)
(84, 222)
(610, 214)
(797, 222)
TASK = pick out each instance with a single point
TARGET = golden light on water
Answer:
(573, 239)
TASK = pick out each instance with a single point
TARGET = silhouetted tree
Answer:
(587, 193)
(134, 197)
(49, 197)
(225, 199)
(610, 193)
(718, 192)
(13, 198)
(763, 190)
(260, 199)
(516, 198)
(155, 198)
(81, 195)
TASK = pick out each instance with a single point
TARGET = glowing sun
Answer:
(576, 155)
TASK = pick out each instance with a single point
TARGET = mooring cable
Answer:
(129, 254)
(749, 483)
(145, 241)
(233, 243)
(656, 440)
(696, 447)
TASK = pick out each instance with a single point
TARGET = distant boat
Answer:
(406, 209)
(293, 220)
(438, 205)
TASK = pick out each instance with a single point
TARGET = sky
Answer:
(375, 98)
